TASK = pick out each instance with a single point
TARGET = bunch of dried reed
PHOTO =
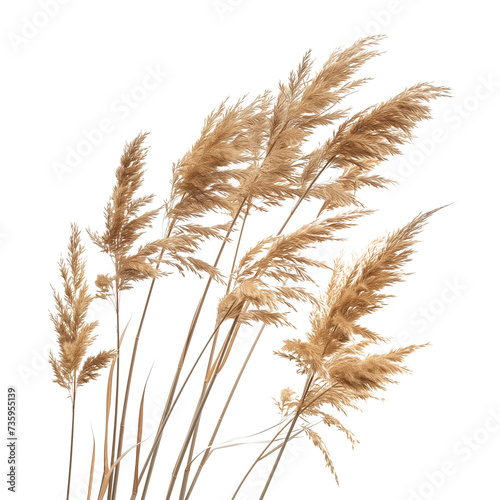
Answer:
(253, 156)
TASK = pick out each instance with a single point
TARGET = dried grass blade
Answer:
(91, 468)
(135, 487)
(108, 404)
(107, 476)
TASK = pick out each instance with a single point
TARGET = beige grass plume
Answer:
(72, 367)
(303, 104)
(269, 276)
(125, 222)
(74, 334)
(364, 141)
(336, 355)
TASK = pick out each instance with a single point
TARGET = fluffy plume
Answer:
(269, 275)
(341, 371)
(356, 292)
(364, 141)
(320, 444)
(126, 220)
(74, 333)
(206, 181)
(303, 104)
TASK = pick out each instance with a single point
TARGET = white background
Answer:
(66, 74)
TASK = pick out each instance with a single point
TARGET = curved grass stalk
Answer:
(197, 413)
(264, 454)
(185, 349)
(72, 438)
(259, 458)
(240, 374)
(92, 464)
(164, 420)
(223, 413)
(227, 443)
(288, 436)
(210, 360)
(117, 387)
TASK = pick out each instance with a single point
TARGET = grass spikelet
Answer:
(320, 444)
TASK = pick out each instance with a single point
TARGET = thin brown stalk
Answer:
(92, 464)
(165, 420)
(72, 439)
(185, 477)
(288, 435)
(107, 475)
(109, 395)
(197, 414)
(233, 265)
(109, 391)
(135, 485)
(117, 387)
(210, 360)
(129, 379)
(185, 349)
(223, 413)
(240, 374)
